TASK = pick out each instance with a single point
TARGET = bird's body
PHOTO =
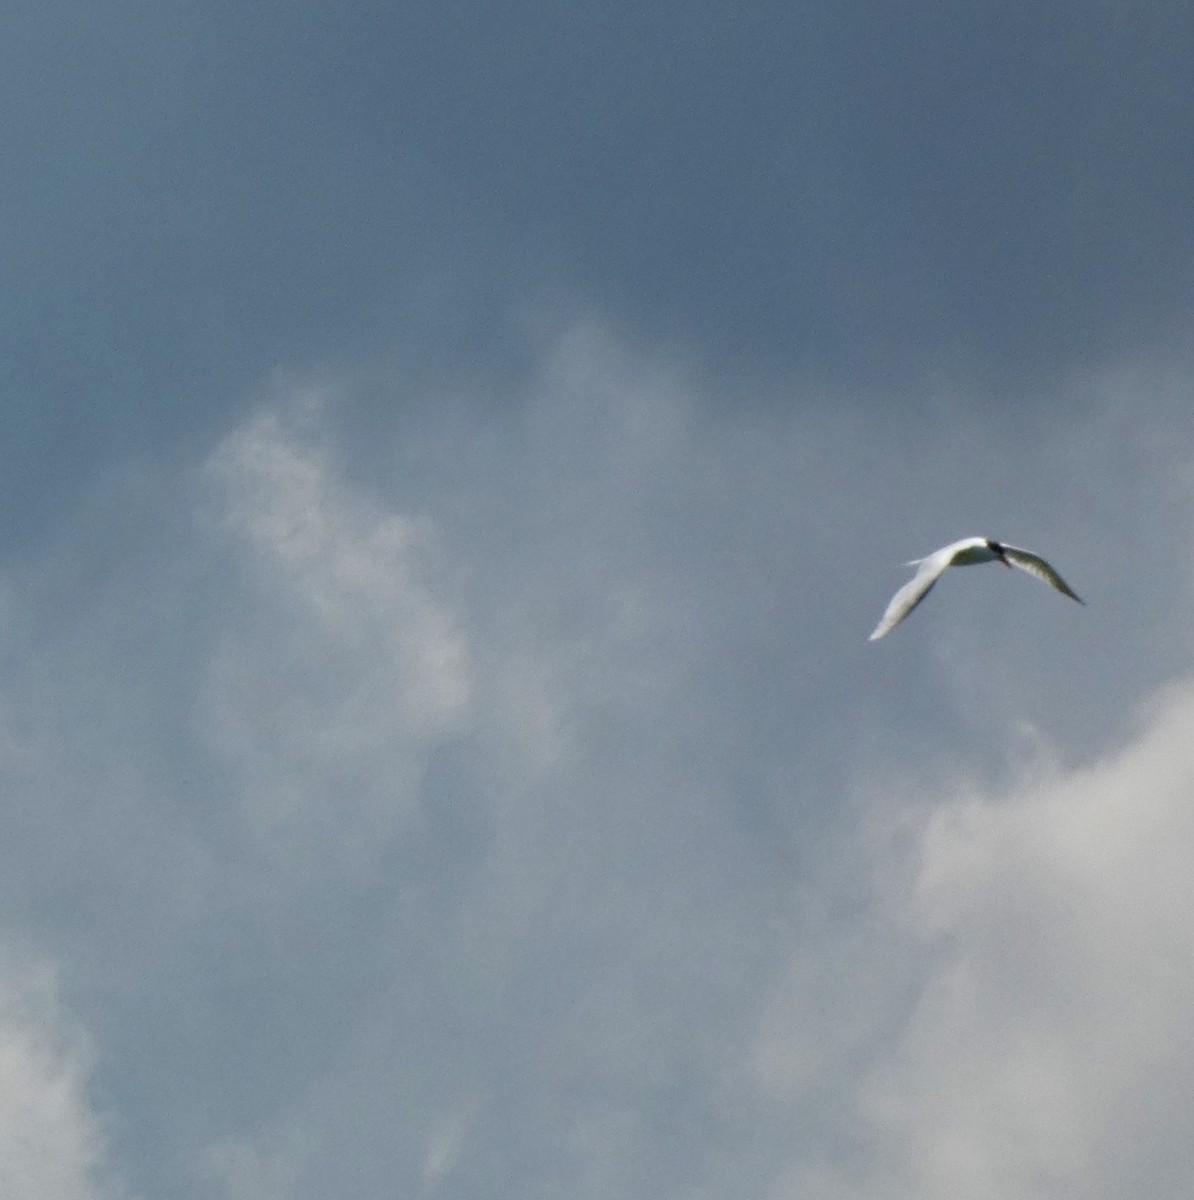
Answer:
(966, 553)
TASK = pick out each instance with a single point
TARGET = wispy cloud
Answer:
(345, 665)
(53, 1144)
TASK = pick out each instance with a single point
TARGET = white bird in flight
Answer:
(965, 553)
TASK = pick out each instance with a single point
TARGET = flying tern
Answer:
(965, 553)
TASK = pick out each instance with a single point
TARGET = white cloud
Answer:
(452, 815)
(1016, 1018)
(590, 608)
(52, 1143)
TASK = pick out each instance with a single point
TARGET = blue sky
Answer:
(455, 455)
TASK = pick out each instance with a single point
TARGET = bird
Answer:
(965, 553)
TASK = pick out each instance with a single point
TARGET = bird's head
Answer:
(998, 551)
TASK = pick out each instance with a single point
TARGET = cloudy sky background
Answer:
(454, 457)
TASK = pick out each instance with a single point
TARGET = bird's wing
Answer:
(1035, 565)
(913, 592)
